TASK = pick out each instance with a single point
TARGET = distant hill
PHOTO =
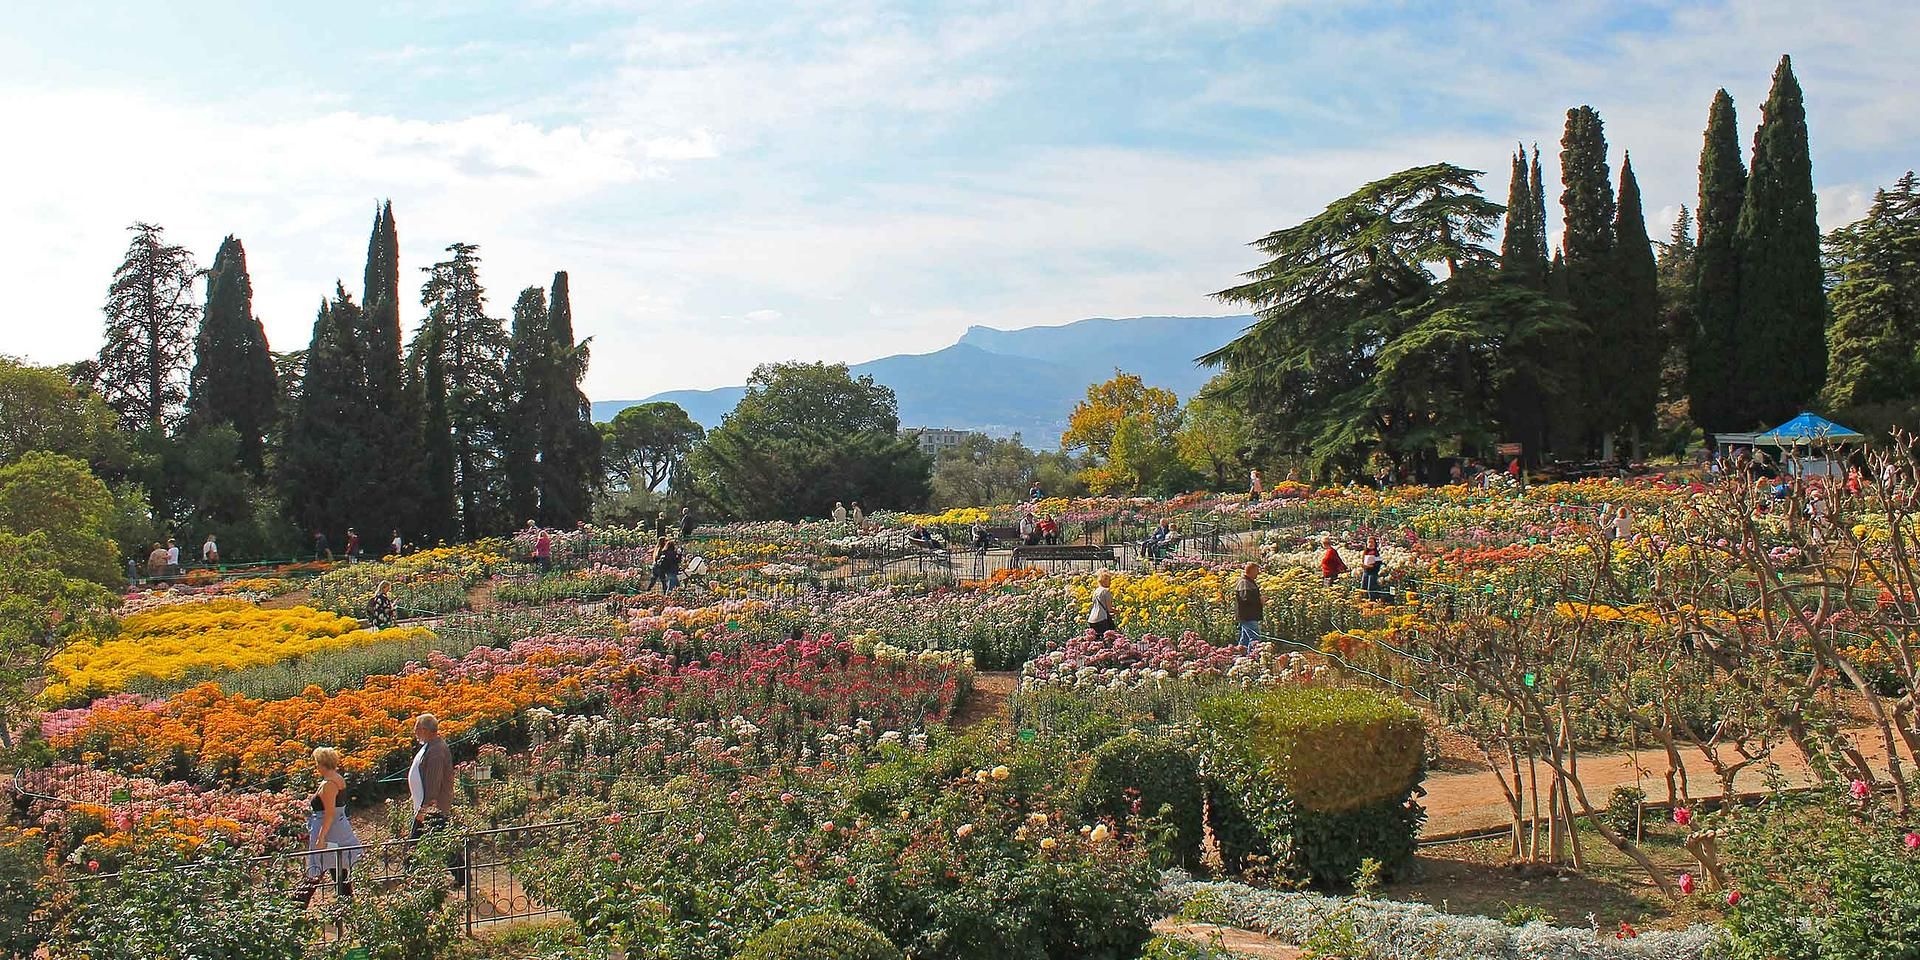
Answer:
(1022, 381)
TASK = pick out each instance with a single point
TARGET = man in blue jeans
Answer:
(1247, 607)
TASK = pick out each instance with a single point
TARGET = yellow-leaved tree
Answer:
(1129, 432)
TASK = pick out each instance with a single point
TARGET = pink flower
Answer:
(786, 798)
(1913, 841)
(1860, 789)
(614, 856)
(614, 818)
(1733, 898)
(1682, 816)
(93, 866)
(1686, 884)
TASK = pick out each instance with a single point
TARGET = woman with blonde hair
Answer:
(1100, 607)
(331, 843)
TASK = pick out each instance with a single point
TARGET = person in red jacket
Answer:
(1331, 566)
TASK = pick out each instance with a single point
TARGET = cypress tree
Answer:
(1519, 245)
(233, 380)
(1781, 333)
(388, 416)
(570, 456)
(1589, 270)
(321, 447)
(1713, 391)
(439, 509)
(1539, 218)
(472, 347)
(1639, 345)
(529, 370)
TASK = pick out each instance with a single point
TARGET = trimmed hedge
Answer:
(1162, 777)
(1313, 778)
(819, 937)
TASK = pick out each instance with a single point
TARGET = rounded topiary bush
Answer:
(1315, 778)
(820, 937)
(1155, 778)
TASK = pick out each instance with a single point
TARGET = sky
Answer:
(736, 183)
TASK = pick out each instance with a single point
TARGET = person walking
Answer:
(1331, 566)
(430, 787)
(398, 545)
(1256, 485)
(654, 571)
(839, 513)
(981, 541)
(157, 562)
(320, 549)
(543, 550)
(659, 526)
(1370, 568)
(670, 565)
(332, 846)
(686, 524)
(1248, 608)
(353, 545)
(380, 609)
(859, 516)
(210, 552)
(173, 558)
(1100, 607)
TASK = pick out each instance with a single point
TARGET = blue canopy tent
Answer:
(1803, 442)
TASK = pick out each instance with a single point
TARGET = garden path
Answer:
(1243, 943)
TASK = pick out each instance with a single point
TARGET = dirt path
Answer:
(1242, 942)
(990, 701)
(288, 600)
(1471, 802)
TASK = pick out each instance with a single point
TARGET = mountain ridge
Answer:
(1003, 382)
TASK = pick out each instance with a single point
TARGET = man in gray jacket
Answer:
(430, 784)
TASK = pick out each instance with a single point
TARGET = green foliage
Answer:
(40, 409)
(1632, 381)
(529, 366)
(1128, 430)
(1625, 807)
(232, 382)
(819, 937)
(804, 436)
(1875, 334)
(1712, 364)
(1831, 880)
(1523, 245)
(1781, 332)
(569, 442)
(1590, 272)
(142, 367)
(215, 911)
(24, 892)
(1360, 348)
(1136, 776)
(56, 495)
(983, 471)
(645, 445)
(472, 350)
(1521, 914)
(1214, 439)
(1315, 778)
(412, 917)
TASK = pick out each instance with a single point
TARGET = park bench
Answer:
(995, 535)
(1060, 552)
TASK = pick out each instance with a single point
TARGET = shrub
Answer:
(411, 917)
(1141, 776)
(1624, 808)
(1838, 881)
(160, 904)
(23, 892)
(819, 937)
(1315, 778)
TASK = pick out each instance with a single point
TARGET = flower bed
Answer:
(172, 644)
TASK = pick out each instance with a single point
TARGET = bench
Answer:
(1060, 552)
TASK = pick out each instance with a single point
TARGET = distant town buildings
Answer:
(935, 439)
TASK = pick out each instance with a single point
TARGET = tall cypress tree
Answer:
(323, 448)
(1520, 245)
(1539, 218)
(523, 431)
(570, 457)
(1640, 346)
(233, 380)
(390, 416)
(439, 508)
(1713, 391)
(1781, 342)
(1587, 201)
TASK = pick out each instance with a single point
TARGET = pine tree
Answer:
(1875, 334)
(1639, 346)
(1589, 271)
(523, 431)
(1713, 390)
(570, 454)
(1781, 333)
(143, 365)
(472, 347)
(233, 380)
(1519, 246)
